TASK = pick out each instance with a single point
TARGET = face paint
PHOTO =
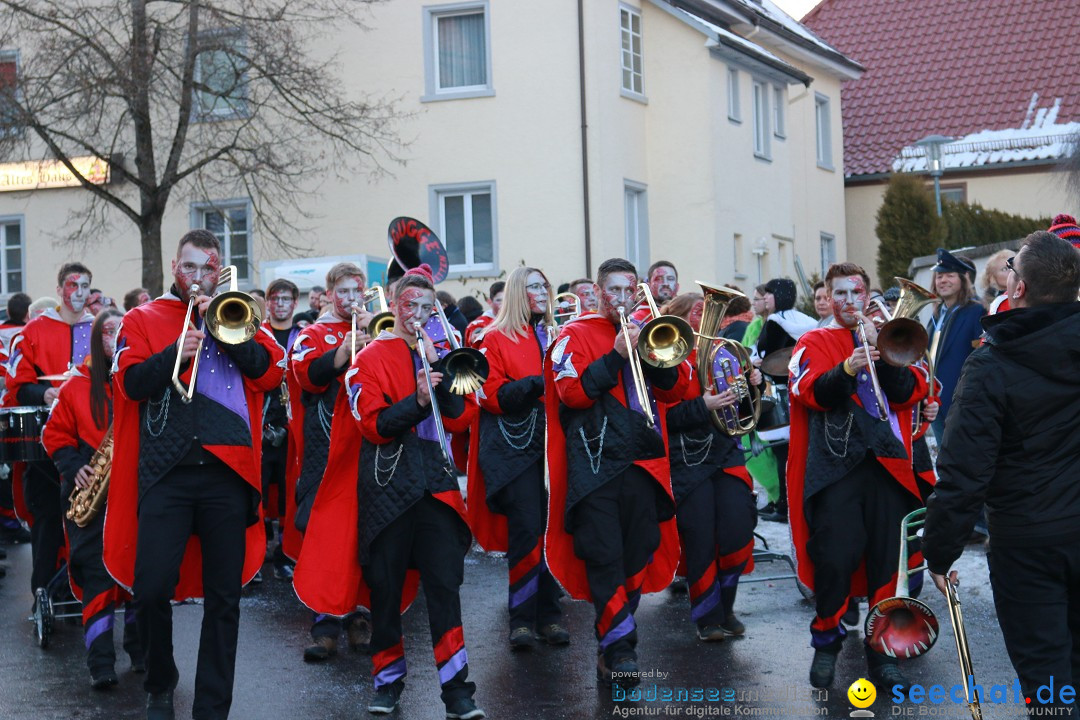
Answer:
(848, 297)
(694, 318)
(282, 304)
(108, 336)
(195, 265)
(346, 292)
(537, 289)
(587, 293)
(663, 283)
(618, 290)
(75, 291)
(496, 302)
(413, 305)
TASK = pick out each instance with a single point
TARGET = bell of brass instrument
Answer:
(87, 502)
(384, 319)
(902, 340)
(233, 317)
(571, 312)
(466, 368)
(723, 364)
(666, 340)
(901, 626)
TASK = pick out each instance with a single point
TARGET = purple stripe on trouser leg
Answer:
(706, 602)
(621, 630)
(453, 666)
(129, 614)
(730, 578)
(525, 592)
(391, 673)
(824, 638)
(97, 628)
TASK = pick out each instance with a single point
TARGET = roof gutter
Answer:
(584, 137)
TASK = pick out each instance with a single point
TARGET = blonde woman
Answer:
(992, 283)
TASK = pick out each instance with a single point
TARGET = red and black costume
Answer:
(507, 497)
(714, 507)
(71, 436)
(411, 513)
(186, 478)
(611, 531)
(48, 345)
(850, 478)
(477, 329)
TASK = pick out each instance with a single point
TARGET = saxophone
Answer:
(87, 502)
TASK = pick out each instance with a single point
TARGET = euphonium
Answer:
(665, 340)
(723, 364)
(87, 502)
(902, 340)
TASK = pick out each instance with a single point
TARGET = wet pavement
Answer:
(761, 674)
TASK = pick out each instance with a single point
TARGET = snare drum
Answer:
(775, 410)
(20, 434)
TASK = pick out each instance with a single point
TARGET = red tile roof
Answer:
(949, 67)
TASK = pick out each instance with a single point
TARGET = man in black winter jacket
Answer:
(1011, 441)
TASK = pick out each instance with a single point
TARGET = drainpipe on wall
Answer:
(584, 136)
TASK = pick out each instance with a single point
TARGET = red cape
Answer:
(147, 330)
(819, 351)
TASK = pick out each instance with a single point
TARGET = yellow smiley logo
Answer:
(862, 693)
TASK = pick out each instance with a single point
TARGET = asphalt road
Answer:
(761, 674)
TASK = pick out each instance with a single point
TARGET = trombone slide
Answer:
(440, 431)
(635, 369)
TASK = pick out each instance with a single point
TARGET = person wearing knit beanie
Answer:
(783, 290)
(1065, 227)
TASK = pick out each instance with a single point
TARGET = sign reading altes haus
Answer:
(48, 174)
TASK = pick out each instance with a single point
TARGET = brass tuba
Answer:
(665, 340)
(87, 502)
(902, 340)
(723, 364)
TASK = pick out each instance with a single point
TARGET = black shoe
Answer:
(463, 709)
(321, 649)
(358, 631)
(257, 580)
(887, 676)
(159, 706)
(3, 554)
(103, 678)
(711, 633)
(777, 514)
(678, 586)
(732, 626)
(522, 638)
(823, 668)
(14, 536)
(624, 672)
(284, 572)
(851, 616)
(138, 664)
(385, 700)
(554, 634)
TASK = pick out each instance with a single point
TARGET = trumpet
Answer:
(232, 318)
(440, 431)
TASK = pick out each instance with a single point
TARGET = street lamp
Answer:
(932, 144)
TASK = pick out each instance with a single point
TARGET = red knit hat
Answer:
(1065, 227)
(424, 271)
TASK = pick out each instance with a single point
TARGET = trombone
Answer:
(232, 318)
(570, 312)
(440, 431)
(466, 368)
(883, 407)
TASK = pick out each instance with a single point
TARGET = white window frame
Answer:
(5, 221)
(627, 13)
(245, 271)
(227, 111)
(431, 16)
(828, 251)
(636, 223)
(13, 56)
(762, 120)
(734, 108)
(823, 131)
(779, 119)
(436, 195)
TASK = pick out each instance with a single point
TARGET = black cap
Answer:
(947, 262)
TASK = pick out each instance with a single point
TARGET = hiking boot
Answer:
(823, 668)
(522, 638)
(103, 678)
(711, 633)
(321, 649)
(358, 632)
(554, 634)
(732, 626)
(888, 676)
(463, 709)
(385, 700)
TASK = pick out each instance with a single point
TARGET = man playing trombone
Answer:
(186, 473)
(849, 469)
(611, 531)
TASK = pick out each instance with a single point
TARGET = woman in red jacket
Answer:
(75, 430)
(507, 498)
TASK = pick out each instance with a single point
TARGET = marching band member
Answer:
(76, 429)
(50, 344)
(611, 531)
(714, 501)
(663, 281)
(507, 497)
(474, 332)
(186, 476)
(410, 510)
(585, 289)
(320, 357)
(850, 473)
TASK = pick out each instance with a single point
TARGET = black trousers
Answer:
(780, 452)
(616, 531)
(210, 501)
(856, 517)
(41, 489)
(716, 525)
(431, 537)
(274, 460)
(1037, 597)
(533, 593)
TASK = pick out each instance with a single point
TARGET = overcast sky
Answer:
(796, 8)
